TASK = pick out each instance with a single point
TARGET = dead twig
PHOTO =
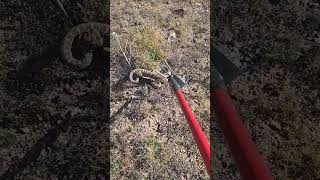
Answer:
(121, 49)
(62, 8)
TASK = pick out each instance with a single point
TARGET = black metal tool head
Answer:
(223, 68)
(174, 80)
(180, 82)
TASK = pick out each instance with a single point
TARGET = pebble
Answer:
(39, 117)
(179, 12)
(275, 125)
(25, 130)
(43, 153)
(75, 111)
(172, 35)
(153, 2)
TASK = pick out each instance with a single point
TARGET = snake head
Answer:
(93, 37)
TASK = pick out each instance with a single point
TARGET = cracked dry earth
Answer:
(150, 138)
(278, 43)
(52, 125)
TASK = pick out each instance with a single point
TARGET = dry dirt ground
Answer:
(278, 42)
(150, 136)
(52, 124)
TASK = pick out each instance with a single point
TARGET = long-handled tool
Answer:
(199, 136)
(245, 153)
(177, 84)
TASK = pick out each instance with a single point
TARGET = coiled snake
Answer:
(93, 33)
(156, 79)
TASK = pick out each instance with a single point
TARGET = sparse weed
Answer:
(115, 166)
(131, 127)
(146, 109)
(153, 146)
(182, 28)
(156, 108)
(148, 47)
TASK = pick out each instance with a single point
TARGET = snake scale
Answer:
(156, 79)
(93, 33)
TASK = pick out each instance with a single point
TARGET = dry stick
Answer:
(180, 57)
(123, 107)
(62, 8)
(86, 14)
(124, 54)
(125, 47)
(130, 50)
(82, 9)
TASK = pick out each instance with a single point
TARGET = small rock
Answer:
(179, 12)
(39, 117)
(153, 2)
(172, 35)
(75, 111)
(182, 177)
(275, 125)
(25, 130)
(43, 153)
(159, 128)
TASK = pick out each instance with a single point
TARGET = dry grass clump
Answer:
(148, 47)
(146, 110)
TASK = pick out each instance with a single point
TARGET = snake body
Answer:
(93, 32)
(156, 79)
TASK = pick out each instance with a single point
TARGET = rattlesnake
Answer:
(156, 79)
(93, 33)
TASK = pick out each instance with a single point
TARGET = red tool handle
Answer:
(245, 153)
(197, 132)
